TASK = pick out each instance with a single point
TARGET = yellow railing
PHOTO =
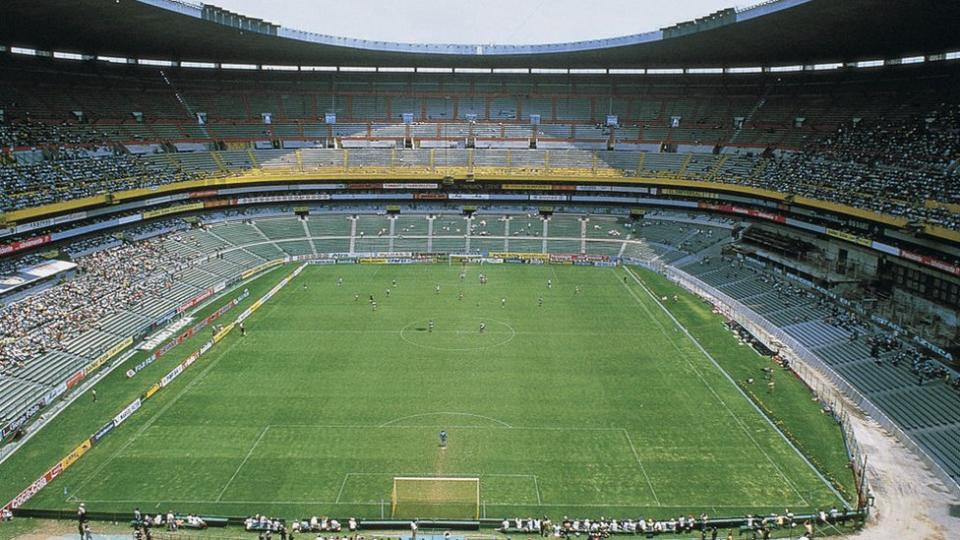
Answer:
(520, 175)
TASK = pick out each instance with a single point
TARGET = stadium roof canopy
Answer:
(772, 33)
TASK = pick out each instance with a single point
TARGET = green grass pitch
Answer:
(589, 404)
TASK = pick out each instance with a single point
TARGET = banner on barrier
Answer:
(195, 300)
(102, 432)
(41, 482)
(75, 454)
(507, 255)
(127, 411)
(107, 355)
(222, 333)
(151, 391)
(260, 268)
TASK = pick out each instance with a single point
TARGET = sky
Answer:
(481, 22)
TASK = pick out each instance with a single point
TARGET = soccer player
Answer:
(243, 330)
(503, 302)
(394, 283)
(388, 293)
(339, 282)
(576, 291)
(443, 439)
(356, 297)
(436, 290)
(483, 326)
(460, 296)
(374, 304)
(430, 326)
(94, 393)
(540, 302)
(549, 283)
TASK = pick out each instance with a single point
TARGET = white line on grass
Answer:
(536, 482)
(435, 475)
(342, 485)
(740, 390)
(642, 468)
(733, 415)
(441, 413)
(149, 423)
(143, 502)
(393, 426)
(242, 463)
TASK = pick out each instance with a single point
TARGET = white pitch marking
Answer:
(733, 415)
(242, 463)
(395, 420)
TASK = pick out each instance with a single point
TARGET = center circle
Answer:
(458, 336)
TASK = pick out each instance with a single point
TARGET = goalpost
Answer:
(435, 497)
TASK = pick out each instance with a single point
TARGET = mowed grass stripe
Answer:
(588, 374)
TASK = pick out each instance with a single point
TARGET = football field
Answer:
(584, 398)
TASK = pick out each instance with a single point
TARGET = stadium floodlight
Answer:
(912, 60)
(827, 66)
(587, 71)
(665, 71)
(472, 70)
(704, 71)
(248, 67)
(152, 62)
(549, 71)
(61, 55)
(786, 69)
(439, 497)
(511, 70)
(434, 70)
(749, 69)
(23, 50)
(113, 59)
(869, 63)
(952, 55)
(274, 67)
(200, 65)
(389, 69)
(358, 69)
(318, 68)
(627, 71)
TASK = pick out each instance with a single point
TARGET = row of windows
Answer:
(928, 286)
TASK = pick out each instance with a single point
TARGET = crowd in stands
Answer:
(888, 167)
(891, 167)
(44, 182)
(120, 277)
(32, 133)
(879, 340)
(12, 265)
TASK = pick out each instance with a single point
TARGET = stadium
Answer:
(695, 282)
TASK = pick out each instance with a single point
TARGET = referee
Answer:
(443, 439)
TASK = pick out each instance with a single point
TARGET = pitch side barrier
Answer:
(134, 406)
(809, 368)
(7, 431)
(491, 257)
(744, 524)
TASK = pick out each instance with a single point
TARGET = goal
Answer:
(435, 497)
